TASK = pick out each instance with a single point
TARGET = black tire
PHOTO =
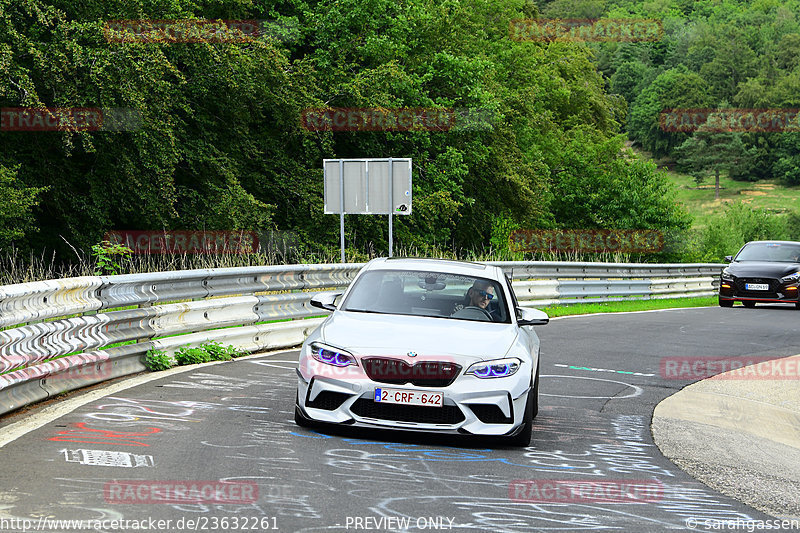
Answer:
(523, 438)
(725, 303)
(535, 392)
(797, 305)
(748, 304)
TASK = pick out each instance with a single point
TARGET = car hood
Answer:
(377, 334)
(762, 269)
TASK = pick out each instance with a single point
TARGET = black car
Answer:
(762, 271)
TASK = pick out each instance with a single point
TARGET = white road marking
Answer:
(636, 390)
(36, 420)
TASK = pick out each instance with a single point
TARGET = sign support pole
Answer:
(391, 205)
(341, 206)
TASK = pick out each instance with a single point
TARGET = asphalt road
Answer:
(118, 457)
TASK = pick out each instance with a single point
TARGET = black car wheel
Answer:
(727, 303)
(748, 304)
(523, 438)
(535, 393)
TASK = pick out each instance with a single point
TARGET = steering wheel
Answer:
(473, 312)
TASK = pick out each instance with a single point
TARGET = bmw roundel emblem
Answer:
(412, 354)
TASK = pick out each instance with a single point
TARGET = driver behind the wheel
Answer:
(478, 295)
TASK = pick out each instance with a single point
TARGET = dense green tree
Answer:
(629, 80)
(734, 61)
(16, 203)
(218, 143)
(674, 89)
(186, 162)
(697, 56)
(712, 151)
(788, 52)
(599, 185)
(787, 166)
(576, 9)
(744, 52)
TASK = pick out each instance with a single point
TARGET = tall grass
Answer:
(19, 268)
(724, 235)
(16, 267)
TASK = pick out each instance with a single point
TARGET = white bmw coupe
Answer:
(423, 345)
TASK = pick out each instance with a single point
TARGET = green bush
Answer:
(209, 351)
(218, 352)
(156, 360)
(739, 224)
(191, 356)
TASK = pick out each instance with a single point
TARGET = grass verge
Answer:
(629, 305)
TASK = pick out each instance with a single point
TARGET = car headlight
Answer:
(331, 356)
(791, 278)
(727, 276)
(498, 368)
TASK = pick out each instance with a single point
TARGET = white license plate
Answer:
(409, 397)
(756, 286)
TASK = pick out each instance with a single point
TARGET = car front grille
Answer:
(421, 374)
(774, 284)
(447, 414)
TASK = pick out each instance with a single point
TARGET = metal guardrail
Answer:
(169, 310)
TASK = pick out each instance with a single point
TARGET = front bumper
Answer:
(471, 405)
(735, 289)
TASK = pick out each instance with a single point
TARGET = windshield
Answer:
(770, 251)
(428, 294)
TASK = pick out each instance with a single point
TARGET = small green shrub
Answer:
(156, 360)
(209, 351)
(192, 356)
(106, 254)
(218, 352)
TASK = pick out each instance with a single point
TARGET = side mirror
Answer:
(729, 258)
(324, 300)
(531, 317)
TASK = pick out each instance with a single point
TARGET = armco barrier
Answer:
(169, 310)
